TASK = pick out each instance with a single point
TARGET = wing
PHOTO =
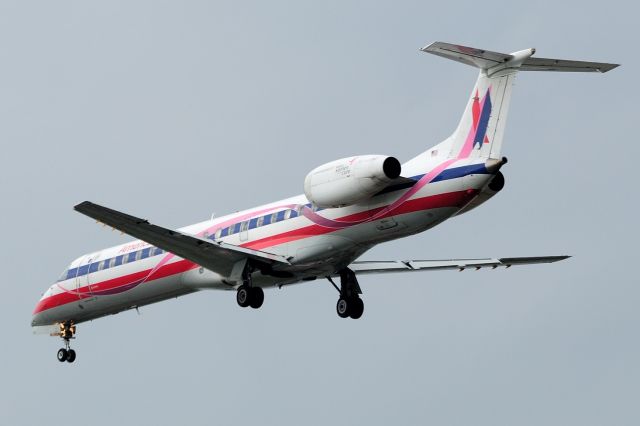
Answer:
(374, 267)
(214, 255)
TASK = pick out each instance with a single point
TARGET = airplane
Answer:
(348, 206)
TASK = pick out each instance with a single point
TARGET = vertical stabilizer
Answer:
(481, 128)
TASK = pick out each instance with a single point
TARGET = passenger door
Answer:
(83, 277)
(244, 231)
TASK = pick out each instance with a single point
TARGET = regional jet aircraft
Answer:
(349, 206)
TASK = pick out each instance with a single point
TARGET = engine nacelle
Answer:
(350, 180)
(494, 186)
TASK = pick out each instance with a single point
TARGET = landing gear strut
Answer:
(67, 332)
(247, 294)
(349, 304)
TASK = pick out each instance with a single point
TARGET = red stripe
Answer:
(451, 199)
(59, 299)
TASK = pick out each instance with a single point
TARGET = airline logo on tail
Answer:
(481, 116)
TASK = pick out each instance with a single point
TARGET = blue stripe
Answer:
(484, 122)
(457, 172)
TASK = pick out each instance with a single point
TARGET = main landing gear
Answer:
(247, 294)
(250, 296)
(67, 332)
(349, 304)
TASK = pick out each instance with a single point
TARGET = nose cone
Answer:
(36, 320)
(39, 316)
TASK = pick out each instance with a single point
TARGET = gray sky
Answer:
(175, 110)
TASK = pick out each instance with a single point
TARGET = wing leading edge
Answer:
(385, 266)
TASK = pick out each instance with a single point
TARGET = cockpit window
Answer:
(64, 274)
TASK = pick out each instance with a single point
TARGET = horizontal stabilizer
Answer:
(478, 58)
(522, 60)
(546, 64)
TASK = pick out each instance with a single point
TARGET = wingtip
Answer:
(427, 47)
(78, 206)
(608, 67)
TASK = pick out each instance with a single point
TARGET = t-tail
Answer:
(481, 129)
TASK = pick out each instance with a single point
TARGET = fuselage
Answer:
(317, 242)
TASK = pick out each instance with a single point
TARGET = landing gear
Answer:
(349, 304)
(250, 296)
(247, 294)
(67, 332)
(63, 354)
(350, 307)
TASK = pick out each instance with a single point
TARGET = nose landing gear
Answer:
(67, 332)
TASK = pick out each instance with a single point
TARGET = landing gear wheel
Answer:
(63, 355)
(356, 308)
(243, 296)
(343, 307)
(256, 297)
(71, 355)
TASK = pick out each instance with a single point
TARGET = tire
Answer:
(243, 296)
(62, 355)
(256, 297)
(357, 308)
(71, 355)
(343, 307)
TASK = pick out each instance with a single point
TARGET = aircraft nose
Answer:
(39, 314)
(36, 320)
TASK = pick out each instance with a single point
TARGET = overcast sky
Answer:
(177, 110)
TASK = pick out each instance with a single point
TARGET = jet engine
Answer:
(494, 186)
(350, 180)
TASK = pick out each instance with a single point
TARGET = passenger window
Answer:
(252, 223)
(145, 253)
(280, 216)
(94, 267)
(132, 256)
(118, 261)
(224, 232)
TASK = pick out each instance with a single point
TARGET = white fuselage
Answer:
(317, 243)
